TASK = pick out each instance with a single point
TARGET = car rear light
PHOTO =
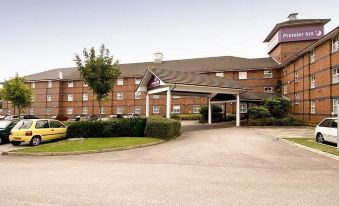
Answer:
(28, 133)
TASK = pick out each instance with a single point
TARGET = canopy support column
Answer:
(168, 104)
(147, 105)
(209, 111)
(238, 111)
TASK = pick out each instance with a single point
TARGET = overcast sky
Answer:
(37, 35)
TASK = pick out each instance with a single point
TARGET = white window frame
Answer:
(335, 44)
(137, 95)
(285, 89)
(70, 97)
(156, 110)
(70, 84)
(335, 75)
(268, 74)
(120, 81)
(296, 98)
(85, 97)
(219, 74)
(196, 109)
(137, 80)
(48, 111)
(84, 110)
(84, 84)
(9, 112)
(102, 110)
(155, 96)
(33, 98)
(176, 109)
(176, 97)
(312, 79)
(31, 111)
(270, 88)
(243, 108)
(296, 76)
(49, 84)
(285, 71)
(33, 85)
(120, 109)
(313, 107)
(137, 109)
(335, 105)
(312, 56)
(120, 95)
(69, 110)
(49, 98)
(242, 75)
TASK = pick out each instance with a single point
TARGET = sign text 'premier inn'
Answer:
(301, 33)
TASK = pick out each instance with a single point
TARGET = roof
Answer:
(190, 78)
(255, 96)
(199, 65)
(297, 22)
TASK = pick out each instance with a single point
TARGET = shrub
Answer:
(216, 113)
(259, 112)
(162, 128)
(277, 106)
(187, 116)
(270, 121)
(115, 128)
(230, 117)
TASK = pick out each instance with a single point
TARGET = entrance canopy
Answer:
(161, 81)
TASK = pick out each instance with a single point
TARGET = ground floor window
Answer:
(335, 74)
(156, 109)
(176, 109)
(156, 97)
(137, 109)
(120, 110)
(31, 111)
(268, 89)
(296, 98)
(196, 109)
(285, 89)
(85, 110)
(313, 107)
(8, 112)
(335, 105)
(243, 108)
(70, 110)
(102, 110)
(48, 111)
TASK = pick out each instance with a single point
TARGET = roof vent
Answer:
(292, 16)
(60, 75)
(158, 58)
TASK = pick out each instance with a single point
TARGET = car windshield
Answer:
(23, 124)
(4, 124)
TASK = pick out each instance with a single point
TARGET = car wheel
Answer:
(35, 141)
(320, 138)
(15, 143)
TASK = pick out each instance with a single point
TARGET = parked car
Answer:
(5, 129)
(79, 118)
(29, 117)
(12, 117)
(34, 131)
(327, 130)
(2, 117)
(131, 115)
(60, 117)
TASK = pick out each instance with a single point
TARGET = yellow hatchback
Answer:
(34, 131)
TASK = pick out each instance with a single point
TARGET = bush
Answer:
(187, 116)
(216, 113)
(277, 106)
(230, 117)
(259, 112)
(162, 128)
(270, 121)
(133, 127)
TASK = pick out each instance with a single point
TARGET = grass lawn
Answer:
(312, 144)
(89, 144)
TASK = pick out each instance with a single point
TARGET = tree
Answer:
(277, 106)
(15, 91)
(259, 112)
(98, 72)
(216, 112)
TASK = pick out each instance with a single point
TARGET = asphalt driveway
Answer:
(207, 165)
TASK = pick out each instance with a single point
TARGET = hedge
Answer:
(162, 128)
(287, 121)
(133, 127)
(187, 116)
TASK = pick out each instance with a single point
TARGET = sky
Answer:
(37, 35)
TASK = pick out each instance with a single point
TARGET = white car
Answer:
(327, 130)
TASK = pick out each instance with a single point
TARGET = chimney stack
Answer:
(60, 75)
(292, 16)
(158, 57)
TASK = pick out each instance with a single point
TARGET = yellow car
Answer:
(34, 131)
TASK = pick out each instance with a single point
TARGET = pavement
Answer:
(207, 165)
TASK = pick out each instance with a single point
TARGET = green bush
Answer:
(259, 112)
(270, 121)
(230, 117)
(133, 127)
(186, 116)
(277, 106)
(216, 113)
(162, 128)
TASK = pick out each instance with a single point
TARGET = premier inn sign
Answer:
(301, 33)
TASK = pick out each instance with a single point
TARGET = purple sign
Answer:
(153, 82)
(301, 33)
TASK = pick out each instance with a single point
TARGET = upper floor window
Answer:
(120, 95)
(242, 75)
(33, 98)
(137, 80)
(285, 89)
(70, 84)
(268, 89)
(196, 109)
(335, 75)
(285, 71)
(137, 109)
(312, 81)
(335, 44)
(32, 85)
(313, 107)
(49, 84)
(268, 73)
(49, 98)
(137, 95)
(176, 109)
(312, 56)
(296, 75)
(335, 105)
(296, 98)
(70, 97)
(243, 108)
(120, 81)
(84, 97)
(85, 84)
(219, 74)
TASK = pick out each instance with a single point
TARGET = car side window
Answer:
(326, 123)
(12, 124)
(334, 124)
(56, 124)
(41, 124)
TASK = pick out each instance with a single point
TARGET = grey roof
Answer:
(200, 65)
(296, 22)
(255, 96)
(190, 78)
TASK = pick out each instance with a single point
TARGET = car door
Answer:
(333, 132)
(58, 128)
(43, 129)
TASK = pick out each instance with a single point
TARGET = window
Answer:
(49, 98)
(85, 110)
(335, 44)
(137, 109)
(268, 74)
(70, 97)
(312, 82)
(335, 105)
(296, 75)
(85, 84)
(70, 84)
(120, 110)
(56, 124)
(84, 97)
(156, 109)
(285, 71)
(312, 56)
(176, 97)
(69, 110)
(312, 107)
(49, 84)
(335, 77)
(41, 124)
(334, 124)
(120, 81)
(285, 89)
(268, 89)
(48, 111)
(326, 123)
(243, 108)
(156, 97)
(296, 98)
(137, 95)
(120, 95)
(137, 80)
(31, 111)
(242, 75)
(33, 98)
(196, 109)
(219, 74)
(102, 110)
(176, 109)
(33, 85)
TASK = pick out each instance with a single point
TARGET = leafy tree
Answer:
(277, 106)
(18, 93)
(0, 100)
(216, 112)
(99, 72)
